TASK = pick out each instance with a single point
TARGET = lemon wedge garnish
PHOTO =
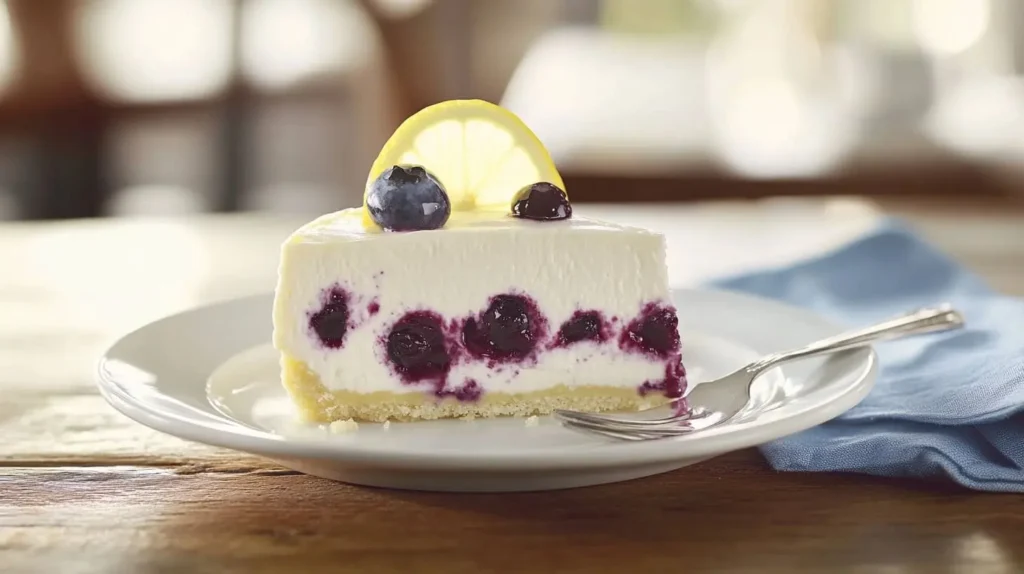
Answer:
(480, 152)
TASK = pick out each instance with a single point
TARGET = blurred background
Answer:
(116, 108)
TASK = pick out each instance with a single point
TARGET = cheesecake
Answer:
(428, 302)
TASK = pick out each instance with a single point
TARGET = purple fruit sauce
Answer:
(507, 331)
(469, 392)
(417, 347)
(582, 326)
(330, 322)
(672, 385)
(422, 346)
(654, 332)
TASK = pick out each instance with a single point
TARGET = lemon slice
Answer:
(481, 153)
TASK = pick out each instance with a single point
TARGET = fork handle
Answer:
(927, 320)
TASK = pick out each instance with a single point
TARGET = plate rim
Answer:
(236, 436)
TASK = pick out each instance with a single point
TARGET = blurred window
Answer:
(289, 42)
(947, 27)
(155, 50)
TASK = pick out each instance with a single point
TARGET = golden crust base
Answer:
(318, 404)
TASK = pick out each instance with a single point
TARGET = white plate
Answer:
(208, 375)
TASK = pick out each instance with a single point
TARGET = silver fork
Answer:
(704, 407)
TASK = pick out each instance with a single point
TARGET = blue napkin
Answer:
(945, 405)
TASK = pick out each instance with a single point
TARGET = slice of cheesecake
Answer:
(490, 315)
(464, 287)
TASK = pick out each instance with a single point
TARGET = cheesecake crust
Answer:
(316, 403)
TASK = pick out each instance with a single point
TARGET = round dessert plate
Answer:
(209, 375)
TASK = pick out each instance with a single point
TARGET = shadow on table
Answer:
(719, 517)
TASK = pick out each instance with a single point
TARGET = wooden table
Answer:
(83, 489)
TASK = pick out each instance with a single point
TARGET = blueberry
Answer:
(541, 201)
(416, 347)
(582, 326)
(408, 198)
(330, 323)
(655, 331)
(508, 330)
(469, 392)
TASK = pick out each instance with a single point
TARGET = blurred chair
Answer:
(50, 122)
(85, 129)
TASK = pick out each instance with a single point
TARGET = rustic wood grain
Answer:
(730, 515)
(81, 429)
(83, 489)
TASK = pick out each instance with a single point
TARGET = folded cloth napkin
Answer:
(945, 405)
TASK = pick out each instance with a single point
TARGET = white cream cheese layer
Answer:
(564, 266)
